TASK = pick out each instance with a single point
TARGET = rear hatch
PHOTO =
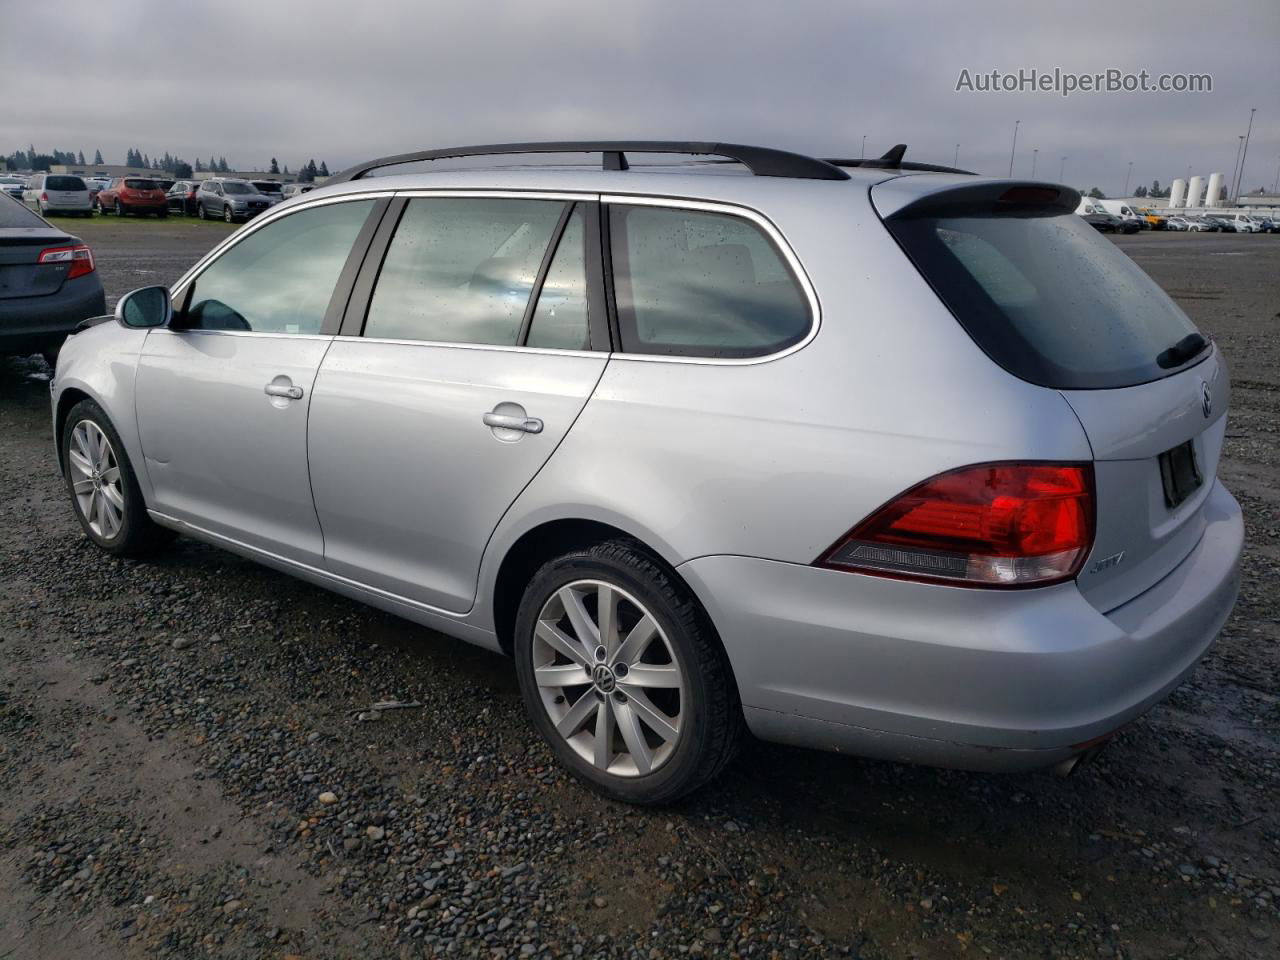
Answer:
(1055, 303)
(23, 237)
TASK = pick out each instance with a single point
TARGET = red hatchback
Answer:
(132, 195)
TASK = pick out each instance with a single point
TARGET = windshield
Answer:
(229, 187)
(1047, 297)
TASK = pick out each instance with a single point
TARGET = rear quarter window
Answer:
(1047, 297)
(701, 284)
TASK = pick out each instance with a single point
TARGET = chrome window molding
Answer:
(709, 206)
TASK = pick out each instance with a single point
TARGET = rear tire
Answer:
(227, 215)
(103, 488)
(662, 655)
(121, 209)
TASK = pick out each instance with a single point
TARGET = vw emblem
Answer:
(1206, 399)
(603, 678)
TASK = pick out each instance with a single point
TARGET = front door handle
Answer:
(509, 422)
(282, 387)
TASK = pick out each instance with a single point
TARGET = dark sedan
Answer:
(48, 283)
(181, 197)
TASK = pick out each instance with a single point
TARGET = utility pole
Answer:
(1236, 166)
(1127, 176)
(1062, 169)
(956, 161)
(1275, 187)
(1034, 154)
(864, 146)
(1245, 155)
(1013, 148)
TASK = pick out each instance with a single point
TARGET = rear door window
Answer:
(1047, 297)
(462, 269)
(702, 284)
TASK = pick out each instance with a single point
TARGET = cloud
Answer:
(345, 81)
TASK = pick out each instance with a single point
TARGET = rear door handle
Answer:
(509, 422)
(286, 389)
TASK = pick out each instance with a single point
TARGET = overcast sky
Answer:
(341, 82)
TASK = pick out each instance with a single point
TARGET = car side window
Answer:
(560, 318)
(278, 279)
(461, 269)
(702, 284)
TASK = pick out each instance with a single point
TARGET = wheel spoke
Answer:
(633, 736)
(604, 735)
(654, 718)
(561, 675)
(113, 496)
(111, 518)
(578, 714)
(585, 630)
(82, 487)
(81, 463)
(550, 634)
(111, 475)
(637, 641)
(99, 511)
(607, 617)
(665, 675)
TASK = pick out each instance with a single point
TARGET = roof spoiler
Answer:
(1028, 198)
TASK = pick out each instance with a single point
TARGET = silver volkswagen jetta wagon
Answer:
(870, 456)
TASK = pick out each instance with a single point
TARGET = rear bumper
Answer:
(979, 679)
(31, 324)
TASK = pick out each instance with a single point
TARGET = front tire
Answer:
(227, 215)
(103, 488)
(623, 674)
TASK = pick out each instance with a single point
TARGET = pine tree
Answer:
(97, 157)
(324, 169)
(286, 170)
(80, 158)
(275, 167)
(199, 166)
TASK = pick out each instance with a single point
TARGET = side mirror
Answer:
(145, 307)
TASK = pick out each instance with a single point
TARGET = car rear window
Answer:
(1046, 296)
(64, 183)
(134, 184)
(14, 214)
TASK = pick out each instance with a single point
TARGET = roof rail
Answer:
(761, 161)
(892, 160)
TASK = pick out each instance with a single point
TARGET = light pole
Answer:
(956, 161)
(1014, 147)
(1127, 176)
(1245, 155)
(1034, 153)
(1275, 187)
(1062, 170)
(864, 146)
(1236, 166)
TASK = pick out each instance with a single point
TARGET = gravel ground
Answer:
(192, 766)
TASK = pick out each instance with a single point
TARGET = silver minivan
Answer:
(50, 193)
(863, 455)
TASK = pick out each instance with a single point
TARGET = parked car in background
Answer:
(164, 183)
(1155, 221)
(1270, 224)
(50, 193)
(125, 195)
(1104, 222)
(639, 430)
(13, 186)
(229, 199)
(48, 283)
(271, 189)
(181, 197)
(1242, 223)
(1200, 224)
(1123, 210)
(291, 190)
(95, 185)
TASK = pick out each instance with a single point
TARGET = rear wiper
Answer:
(1182, 351)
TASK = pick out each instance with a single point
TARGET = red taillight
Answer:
(993, 525)
(44, 197)
(80, 257)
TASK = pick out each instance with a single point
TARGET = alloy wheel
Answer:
(96, 480)
(609, 678)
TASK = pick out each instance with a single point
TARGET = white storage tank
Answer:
(1214, 194)
(1195, 189)
(1178, 193)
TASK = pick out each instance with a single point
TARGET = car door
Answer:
(222, 395)
(469, 349)
(31, 196)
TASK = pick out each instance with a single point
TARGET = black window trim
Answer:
(772, 234)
